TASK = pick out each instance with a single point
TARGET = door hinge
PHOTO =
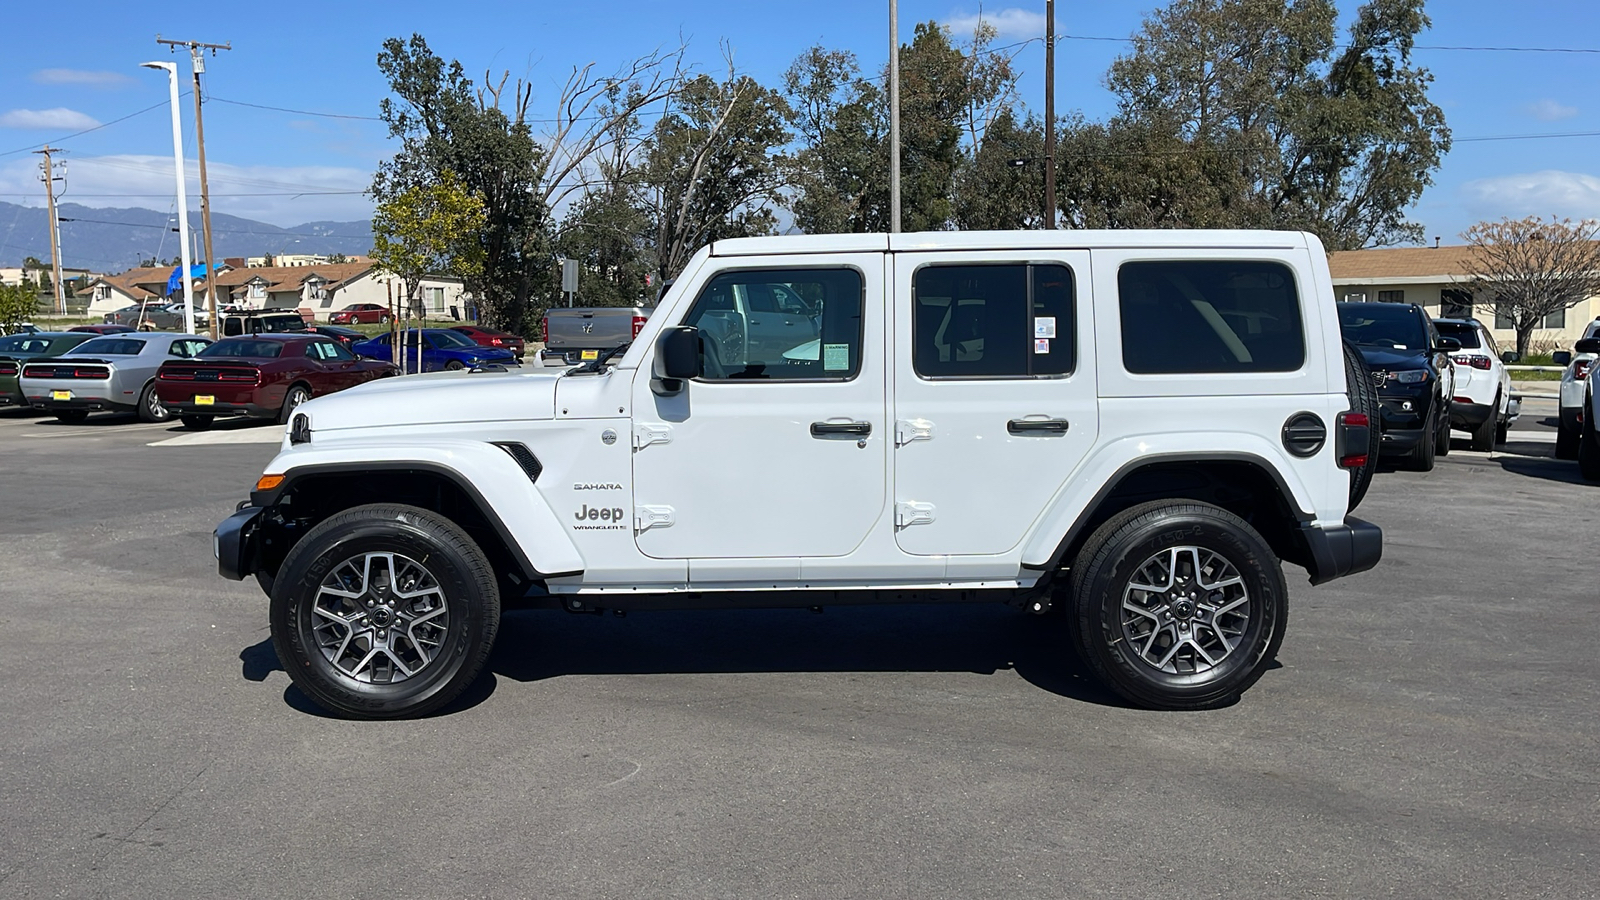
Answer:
(906, 513)
(908, 430)
(648, 517)
(645, 435)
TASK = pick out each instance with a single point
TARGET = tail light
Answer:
(496, 342)
(253, 377)
(544, 330)
(174, 375)
(1354, 437)
(638, 325)
(1475, 360)
(7, 368)
(1580, 369)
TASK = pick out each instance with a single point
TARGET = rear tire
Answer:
(196, 422)
(150, 408)
(1363, 399)
(1589, 447)
(1566, 442)
(1483, 435)
(296, 395)
(384, 611)
(1178, 605)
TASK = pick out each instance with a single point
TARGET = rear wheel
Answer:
(196, 422)
(384, 611)
(1363, 398)
(1178, 605)
(297, 395)
(150, 408)
(1566, 441)
(1483, 435)
(1589, 447)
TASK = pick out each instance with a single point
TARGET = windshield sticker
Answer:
(1044, 327)
(835, 357)
(1041, 345)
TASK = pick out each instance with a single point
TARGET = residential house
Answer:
(1436, 278)
(145, 284)
(320, 290)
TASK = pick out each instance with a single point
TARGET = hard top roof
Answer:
(1013, 240)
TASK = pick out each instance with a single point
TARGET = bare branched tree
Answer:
(1531, 268)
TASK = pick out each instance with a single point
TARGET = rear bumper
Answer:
(190, 408)
(1339, 550)
(1466, 415)
(235, 543)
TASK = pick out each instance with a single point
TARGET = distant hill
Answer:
(110, 240)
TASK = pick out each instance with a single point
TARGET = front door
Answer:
(994, 406)
(777, 450)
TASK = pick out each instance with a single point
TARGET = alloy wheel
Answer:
(380, 618)
(1185, 610)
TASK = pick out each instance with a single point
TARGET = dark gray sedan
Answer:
(148, 316)
(115, 372)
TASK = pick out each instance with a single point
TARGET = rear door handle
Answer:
(854, 429)
(1037, 426)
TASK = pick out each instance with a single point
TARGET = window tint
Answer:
(24, 345)
(992, 321)
(243, 348)
(1210, 316)
(745, 332)
(110, 347)
(1466, 334)
(1387, 326)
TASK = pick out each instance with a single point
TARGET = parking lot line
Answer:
(234, 436)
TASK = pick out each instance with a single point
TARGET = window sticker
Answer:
(835, 357)
(1044, 327)
(1041, 345)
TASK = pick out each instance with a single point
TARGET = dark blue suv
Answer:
(1409, 364)
(442, 349)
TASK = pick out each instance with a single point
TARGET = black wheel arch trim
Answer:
(1054, 563)
(267, 499)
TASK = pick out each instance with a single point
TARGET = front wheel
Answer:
(1566, 441)
(384, 611)
(454, 365)
(1589, 447)
(1178, 605)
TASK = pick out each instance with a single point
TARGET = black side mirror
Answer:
(1512, 356)
(1587, 345)
(1447, 345)
(677, 359)
(1560, 358)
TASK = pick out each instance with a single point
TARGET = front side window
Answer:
(1208, 316)
(992, 321)
(780, 325)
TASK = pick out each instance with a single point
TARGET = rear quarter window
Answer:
(1209, 316)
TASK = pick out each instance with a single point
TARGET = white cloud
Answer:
(1013, 24)
(81, 76)
(1548, 110)
(281, 195)
(1567, 194)
(58, 119)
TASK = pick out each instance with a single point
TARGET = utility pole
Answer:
(48, 175)
(1050, 114)
(894, 117)
(198, 60)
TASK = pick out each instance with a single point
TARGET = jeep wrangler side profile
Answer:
(1131, 427)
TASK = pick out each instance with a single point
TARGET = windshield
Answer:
(24, 344)
(117, 346)
(451, 339)
(1382, 325)
(248, 349)
(1466, 334)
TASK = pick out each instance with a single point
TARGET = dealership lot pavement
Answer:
(1432, 730)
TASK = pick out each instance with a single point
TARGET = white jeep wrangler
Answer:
(1134, 427)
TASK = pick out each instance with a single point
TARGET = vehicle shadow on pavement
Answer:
(1564, 471)
(260, 660)
(978, 638)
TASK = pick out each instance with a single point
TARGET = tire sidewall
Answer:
(1128, 551)
(295, 590)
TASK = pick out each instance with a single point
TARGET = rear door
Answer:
(993, 408)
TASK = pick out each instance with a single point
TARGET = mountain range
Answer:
(111, 240)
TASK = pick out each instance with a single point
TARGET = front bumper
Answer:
(235, 543)
(1335, 551)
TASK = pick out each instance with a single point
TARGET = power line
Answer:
(298, 112)
(1118, 40)
(87, 130)
(219, 230)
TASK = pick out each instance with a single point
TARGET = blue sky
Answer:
(289, 168)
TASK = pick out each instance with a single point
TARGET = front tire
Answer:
(1589, 447)
(1421, 458)
(1566, 441)
(384, 611)
(1178, 605)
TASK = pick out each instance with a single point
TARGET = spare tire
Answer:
(1363, 399)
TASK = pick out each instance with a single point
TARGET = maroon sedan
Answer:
(264, 376)
(360, 313)
(489, 337)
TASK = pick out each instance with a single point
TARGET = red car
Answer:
(360, 313)
(102, 329)
(264, 376)
(489, 337)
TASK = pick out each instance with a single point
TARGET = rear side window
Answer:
(243, 348)
(992, 321)
(1209, 316)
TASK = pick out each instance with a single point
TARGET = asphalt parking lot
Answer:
(1431, 729)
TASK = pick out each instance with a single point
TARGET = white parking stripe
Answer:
(232, 436)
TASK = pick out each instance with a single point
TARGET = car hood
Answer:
(1389, 358)
(438, 399)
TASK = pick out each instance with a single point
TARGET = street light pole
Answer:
(894, 117)
(183, 201)
(1050, 114)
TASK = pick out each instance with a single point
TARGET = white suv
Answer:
(1482, 404)
(1572, 394)
(1134, 427)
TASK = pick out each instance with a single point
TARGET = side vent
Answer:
(524, 457)
(1304, 434)
(300, 429)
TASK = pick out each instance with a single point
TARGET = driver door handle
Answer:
(1037, 426)
(853, 429)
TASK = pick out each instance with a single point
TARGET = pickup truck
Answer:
(576, 335)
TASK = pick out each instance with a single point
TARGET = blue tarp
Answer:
(175, 281)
